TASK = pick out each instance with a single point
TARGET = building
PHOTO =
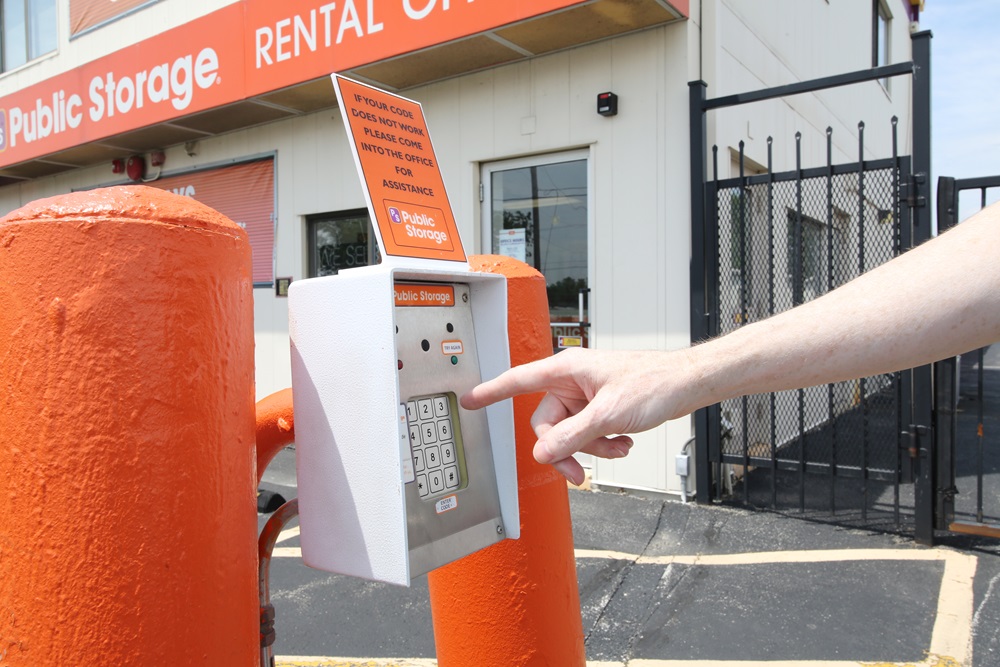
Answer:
(229, 102)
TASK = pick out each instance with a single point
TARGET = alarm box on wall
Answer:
(395, 478)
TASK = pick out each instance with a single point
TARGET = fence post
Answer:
(925, 486)
(516, 603)
(127, 534)
(697, 94)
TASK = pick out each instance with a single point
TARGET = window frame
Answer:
(30, 28)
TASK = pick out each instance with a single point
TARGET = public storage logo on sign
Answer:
(419, 227)
(400, 173)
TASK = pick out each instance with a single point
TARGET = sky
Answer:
(965, 92)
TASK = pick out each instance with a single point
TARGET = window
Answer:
(28, 31)
(739, 214)
(816, 255)
(340, 241)
(881, 19)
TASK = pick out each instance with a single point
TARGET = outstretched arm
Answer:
(937, 300)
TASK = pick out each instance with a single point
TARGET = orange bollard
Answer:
(126, 366)
(517, 602)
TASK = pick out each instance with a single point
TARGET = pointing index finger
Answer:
(525, 379)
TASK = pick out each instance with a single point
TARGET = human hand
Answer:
(592, 395)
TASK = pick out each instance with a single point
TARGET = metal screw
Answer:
(465, 297)
(499, 530)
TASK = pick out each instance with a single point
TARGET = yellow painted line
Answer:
(611, 555)
(807, 556)
(951, 637)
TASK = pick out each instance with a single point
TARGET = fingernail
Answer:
(571, 480)
(621, 450)
(548, 458)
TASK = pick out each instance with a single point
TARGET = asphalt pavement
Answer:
(667, 584)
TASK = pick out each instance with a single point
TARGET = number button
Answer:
(418, 460)
(444, 429)
(441, 407)
(411, 411)
(433, 457)
(436, 480)
(425, 409)
(448, 453)
(428, 433)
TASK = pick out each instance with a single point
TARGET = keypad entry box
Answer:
(395, 478)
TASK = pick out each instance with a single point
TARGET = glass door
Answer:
(537, 210)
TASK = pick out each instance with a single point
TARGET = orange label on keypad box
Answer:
(415, 294)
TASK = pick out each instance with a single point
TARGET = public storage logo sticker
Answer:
(418, 226)
(411, 294)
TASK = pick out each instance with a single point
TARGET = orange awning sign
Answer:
(240, 51)
(399, 172)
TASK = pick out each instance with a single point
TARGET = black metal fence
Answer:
(967, 412)
(766, 243)
(784, 239)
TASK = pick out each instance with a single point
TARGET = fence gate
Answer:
(967, 412)
(784, 239)
(765, 243)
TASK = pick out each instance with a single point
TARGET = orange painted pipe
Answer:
(127, 386)
(516, 603)
(275, 427)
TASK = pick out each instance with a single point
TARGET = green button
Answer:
(454, 360)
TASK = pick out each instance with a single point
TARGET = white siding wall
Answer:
(639, 258)
(769, 43)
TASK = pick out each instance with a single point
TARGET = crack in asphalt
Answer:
(620, 582)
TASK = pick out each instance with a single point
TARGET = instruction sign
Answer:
(399, 172)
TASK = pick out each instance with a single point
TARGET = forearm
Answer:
(938, 300)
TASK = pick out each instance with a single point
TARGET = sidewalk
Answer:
(663, 584)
